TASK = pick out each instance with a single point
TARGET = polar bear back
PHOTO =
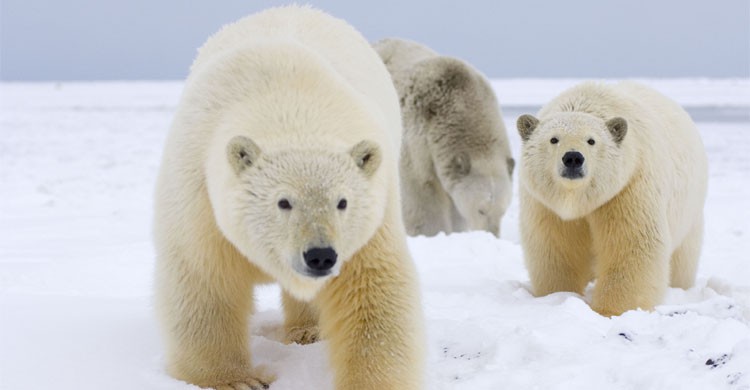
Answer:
(400, 56)
(332, 41)
(681, 149)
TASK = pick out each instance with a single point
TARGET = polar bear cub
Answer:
(282, 165)
(456, 167)
(613, 184)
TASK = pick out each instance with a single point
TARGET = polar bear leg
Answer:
(458, 222)
(205, 317)
(632, 253)
(371, 317)
(557, 252)
(300, 321)
(209, 341)
(629, 276)
(684, 262)
(426, 208)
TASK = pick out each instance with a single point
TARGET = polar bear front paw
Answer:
(259, 379)
(303, 335)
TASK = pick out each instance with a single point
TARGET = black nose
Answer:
(320, 259)
(573, 160)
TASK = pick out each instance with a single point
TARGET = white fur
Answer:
(304, 89)
(635, 220)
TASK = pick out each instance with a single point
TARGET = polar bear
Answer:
(613, 184)
(456, 166)
(282, 165)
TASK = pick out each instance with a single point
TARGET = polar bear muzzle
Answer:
(320, 261)
(573, 165)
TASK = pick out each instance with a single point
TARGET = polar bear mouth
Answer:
(316, 274)
(304, 270)
(573, 173)
(573, 165)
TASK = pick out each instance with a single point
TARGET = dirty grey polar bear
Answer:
(456, 166)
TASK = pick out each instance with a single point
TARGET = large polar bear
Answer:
(282, 165)
(613, 183)
(456, 167)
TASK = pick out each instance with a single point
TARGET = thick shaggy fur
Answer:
(634, 220)
(456, 166)
(286, 113)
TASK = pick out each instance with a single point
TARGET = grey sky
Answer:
(157, 39)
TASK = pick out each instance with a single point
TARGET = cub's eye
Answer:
(591, 141)
(341, 205)
(285, 205)
(554, 140)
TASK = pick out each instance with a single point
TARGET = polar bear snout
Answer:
(320, 261)
(573, 165)
(573, 159)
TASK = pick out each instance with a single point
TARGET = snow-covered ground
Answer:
(77, 168)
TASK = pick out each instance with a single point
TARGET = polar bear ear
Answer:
(242, 153)
(526, 124)
(366, 155)
(460, 165)
(618, 127)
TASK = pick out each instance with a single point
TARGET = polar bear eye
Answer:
(285, 205)
(554, 140)
(591, 141)
(341, 205)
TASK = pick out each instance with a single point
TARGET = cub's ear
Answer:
(242, 153)
(526, 124)
(618, 127)
(367, 156)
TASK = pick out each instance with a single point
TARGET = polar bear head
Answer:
(457, 109)
(300, 213)
(479, 188)
(572, 161)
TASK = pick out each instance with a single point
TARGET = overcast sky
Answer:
(157, 39)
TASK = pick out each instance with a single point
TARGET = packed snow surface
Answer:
(77, 168)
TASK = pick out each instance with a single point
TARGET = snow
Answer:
(77, 168)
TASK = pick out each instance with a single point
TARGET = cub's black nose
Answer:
(573, 160)
(320, 259)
